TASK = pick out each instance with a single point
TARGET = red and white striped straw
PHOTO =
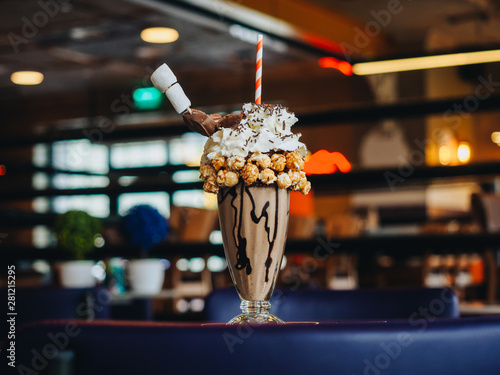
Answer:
(258, 72)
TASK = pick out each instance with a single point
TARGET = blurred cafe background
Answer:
(404, 156)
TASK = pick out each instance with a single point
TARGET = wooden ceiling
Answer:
(91, 53)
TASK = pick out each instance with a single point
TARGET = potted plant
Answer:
(76, 232)
(144, 227)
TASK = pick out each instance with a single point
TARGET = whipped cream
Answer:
(263, 128)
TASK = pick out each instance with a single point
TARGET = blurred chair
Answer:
(196, 285)
(334, 305)
(486, 211)
(431, 347)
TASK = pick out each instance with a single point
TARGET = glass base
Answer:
(255, 312)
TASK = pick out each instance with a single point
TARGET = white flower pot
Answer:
(146, 276)
(77, 274)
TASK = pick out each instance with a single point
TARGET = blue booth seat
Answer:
(34, 304)
(400, 347)
(335, 305)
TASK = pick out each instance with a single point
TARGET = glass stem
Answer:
(255, 307)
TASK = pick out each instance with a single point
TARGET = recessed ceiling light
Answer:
(159, 35)
(26, 78)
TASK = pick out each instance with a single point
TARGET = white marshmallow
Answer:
(163, 78)
(178, 99)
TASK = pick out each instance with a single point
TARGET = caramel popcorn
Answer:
(231, 178)
(267, 176)
(227, 178)
(284, 181)
(306, 188)
(294, 161)
(278, 162)
(210, 185)
(207, 170)
(295, 177)
(282, 169)
(261, 160)
(250, 173)
(236, 163)
(218, 162)
(301, 183)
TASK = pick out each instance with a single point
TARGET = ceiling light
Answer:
(444, 155)
(159, 35)
(26, 78)
(495, 137)
(426, 62)
(463, 152)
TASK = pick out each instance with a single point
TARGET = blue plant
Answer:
(143, 225)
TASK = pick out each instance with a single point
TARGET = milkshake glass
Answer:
(251, 160)
(254, 222)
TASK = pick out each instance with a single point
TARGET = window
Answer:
(187, 149)
(85, 165)
(95, 205)
(41, 155)
(158, 200)
(80, 156)
(74, 181)
(139, 154)
(186, 176)
(194, 198)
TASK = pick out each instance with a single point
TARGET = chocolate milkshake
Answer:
(251, 160)
(254, 221)
(252, 165)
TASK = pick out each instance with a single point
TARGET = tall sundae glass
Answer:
(251, 160)
(252, 165)
(254, 221)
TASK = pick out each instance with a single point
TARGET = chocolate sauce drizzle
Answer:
(256, 219)
(242, 260)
